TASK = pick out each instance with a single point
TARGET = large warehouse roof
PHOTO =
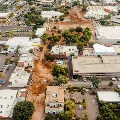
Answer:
(89, 64)
(108, 96)
(112, 32)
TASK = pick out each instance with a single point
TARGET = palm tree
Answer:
(95, 81)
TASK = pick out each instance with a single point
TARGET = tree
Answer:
(95, 81)
(5, 47)
(44, 38)
(78, 29)
(10, 34)
(11, 15)
(23, 110)
(65, 34)
(17, 50)
(31, 50)
(59, 70)
(71, 30)
(110, 83)
(69, 106)
(59, 80)
(48, 57)
(63, 116)
(16, 61)
(61, 18)
(80, 45)
(27, 22)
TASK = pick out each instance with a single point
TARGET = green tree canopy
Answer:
(59, 70)
(78, 29)
(23, 110)
(95, 81)
(60, 80)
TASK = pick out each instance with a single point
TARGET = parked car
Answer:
(80, 107)
(59, 62)
(118, 86)
(84, 79)
(114, 79)
(4, 66)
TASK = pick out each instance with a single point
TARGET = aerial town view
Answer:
(59, 59)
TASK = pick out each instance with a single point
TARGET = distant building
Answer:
(50, 14)
(63, 52)
(45, 3)
(4, 17)
(111, 36)
(20, 3)
(8, 99)
(98, 12)
(89, 66)
(108, 96)
(25, 44)
(103, 50)
(54, 102)
(19, 78)
(100, 50)
(109, 2)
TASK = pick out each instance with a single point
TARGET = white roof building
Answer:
(108, 34)
(26, 60)
(40, 31)
(109, 2)
(14, 42)
(25, 44)
(99, 12)
(103, 50)
(108, 96)
(65, 50)
(4, 15)
(50, 14)
(19, 78)
(8, 99)
(7, 102)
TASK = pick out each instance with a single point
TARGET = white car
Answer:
(59, 62)
(84, 79)
(80, 107)
(118, 86)
(114, 79)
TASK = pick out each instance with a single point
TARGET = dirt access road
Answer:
(36, 90)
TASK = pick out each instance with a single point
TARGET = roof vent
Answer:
(54, 95)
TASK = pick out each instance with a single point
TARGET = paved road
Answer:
(88, 83)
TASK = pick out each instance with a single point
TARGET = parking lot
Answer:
(91, 103)
(5, 73)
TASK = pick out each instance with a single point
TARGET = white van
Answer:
(114, 79)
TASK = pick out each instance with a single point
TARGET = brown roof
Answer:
(20, 64)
